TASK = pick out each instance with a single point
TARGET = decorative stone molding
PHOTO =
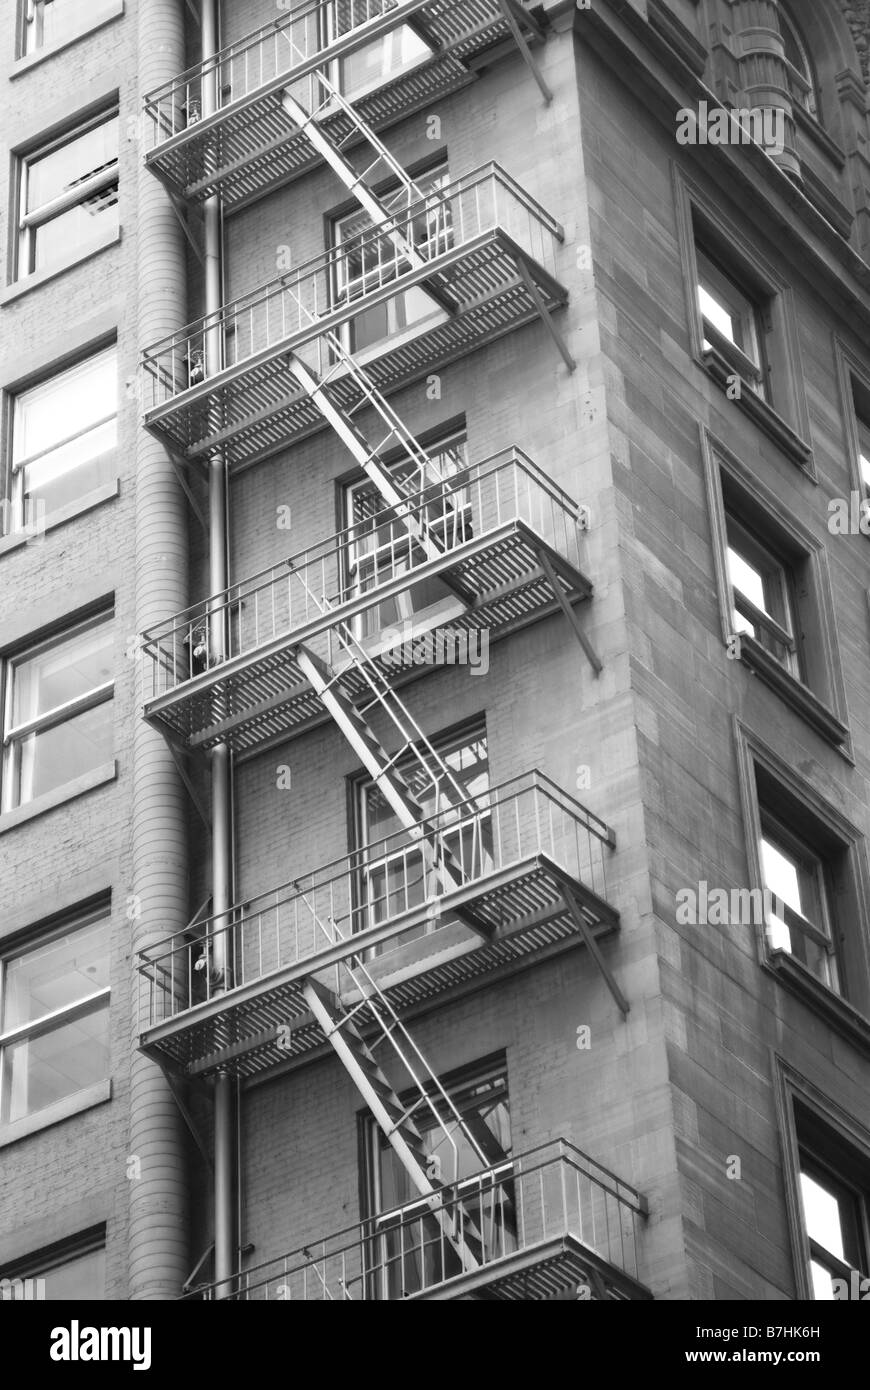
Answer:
(763, 72)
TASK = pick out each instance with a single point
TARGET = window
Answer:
(864, 453)
(731, 321)
(775, 593)
(378, 60)
(69, 194)
(393, 876)
(811, 863)
(62, 433)
(801, 77)
(411, 1252)
(835, 1206)
(763, 594)
(49, 22)
(365, 262)
(57, 722)
(801, 920)
(76, 1270)
(54, 1018)
(380, 548)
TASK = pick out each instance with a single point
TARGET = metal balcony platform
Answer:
(507, 534)
(249, 145)
(262, 696)
(495, 257)
(534, 884)
(550, 1223)
(544, 1270)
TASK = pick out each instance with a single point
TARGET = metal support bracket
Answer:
(535, 295)
(180, 210)
(188, 1284)
(189, 1121)
(191, 789)
(519, 38)
(579, 920)
(188, 491)
(568, 610)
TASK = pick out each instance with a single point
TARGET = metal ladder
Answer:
(396, 1121)
(414, 760)
(386, 216)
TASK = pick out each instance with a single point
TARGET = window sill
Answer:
(68, 792)
(825, 201)
(717, 366)
(112, 10)
(86, 1099)
(793, 691)
(841, 1015)
(84, 504)
(78, 256)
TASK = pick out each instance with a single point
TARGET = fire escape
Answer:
(516, 874)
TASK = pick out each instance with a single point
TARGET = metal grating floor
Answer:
(264, 696)
(253, 146)
(527, 909)
(541, 1272)
(264, 410)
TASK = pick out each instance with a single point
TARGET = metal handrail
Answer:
(479, 202)
(552, 1190)
(247, 65)
(328, 909)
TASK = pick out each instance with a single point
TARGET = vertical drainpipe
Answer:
(159, 1254)
(222, 830)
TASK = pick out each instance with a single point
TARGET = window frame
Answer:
(853, 373)
(437, 172)
(17, 467)
(22, 945)
(736, 496)
(781, 836)
(330, 34)
(786, 797)
(35, 1266)
(28, 222)
(381, 558)
(444, 743)
(726, 290)
(805, 91)
(810, 1120)
(372, 1142)
(80, 704)
(783, 415)
(756, 552)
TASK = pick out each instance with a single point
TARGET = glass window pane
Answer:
(51, 174)
(823, 1283)
(727, 308)
(413, 1252)
(82, 1278)
(55, 756)
(822, 1216)
(719, 315)
(75, 227)
(56, 974)
(42, 1070)
(50, 22)
(72, 471)
(795, 880)
(73, 401)
(62, 672)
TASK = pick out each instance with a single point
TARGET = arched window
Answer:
(802, 77)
